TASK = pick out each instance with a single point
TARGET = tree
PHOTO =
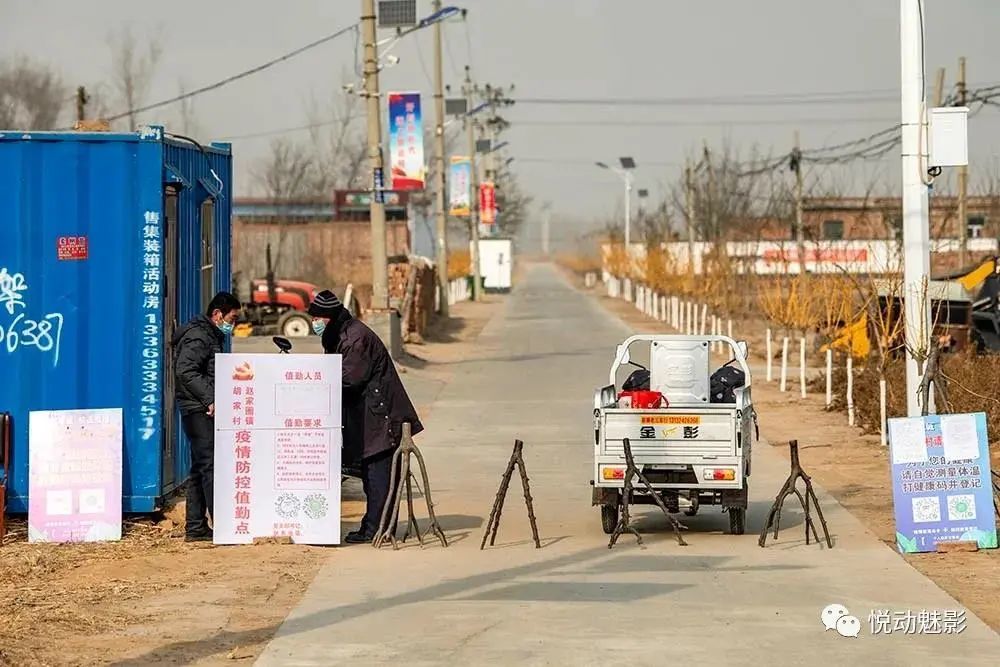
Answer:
(285, 175)
(339, 144)
(32, 95)
(512, 203)
(133, 66)
(188, 119)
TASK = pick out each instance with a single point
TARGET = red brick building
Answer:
(867, 218)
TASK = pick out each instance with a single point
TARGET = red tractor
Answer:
(278, 306)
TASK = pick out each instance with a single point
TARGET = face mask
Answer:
(319, 326)
(226, 327)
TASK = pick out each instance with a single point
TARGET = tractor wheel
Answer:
(295, 324)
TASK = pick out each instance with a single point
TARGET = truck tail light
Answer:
(719, 474)
(612, 472)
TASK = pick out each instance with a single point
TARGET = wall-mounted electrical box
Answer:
(949, 137)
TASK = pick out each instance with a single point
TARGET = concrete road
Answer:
(721, 599)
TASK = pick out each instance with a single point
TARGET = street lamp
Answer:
(625, 173)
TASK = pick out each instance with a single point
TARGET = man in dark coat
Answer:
(195, 347)
(375, 404)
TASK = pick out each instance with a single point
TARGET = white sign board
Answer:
(277, 447)
(75, 475)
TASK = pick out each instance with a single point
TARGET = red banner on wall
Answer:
(487, 203)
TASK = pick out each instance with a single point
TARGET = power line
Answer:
(749, 100)
(236, 77)
(696, 123)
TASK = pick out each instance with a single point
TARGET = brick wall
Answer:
(329, 254)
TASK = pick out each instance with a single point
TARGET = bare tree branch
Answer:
(133, 64)
(32, 95)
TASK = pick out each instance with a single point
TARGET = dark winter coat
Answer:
(375, 402)
(195, 347)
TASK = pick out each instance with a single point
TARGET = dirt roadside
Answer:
(142, 600)
(853, 467)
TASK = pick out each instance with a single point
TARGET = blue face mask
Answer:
(226, 328)
(319, 326)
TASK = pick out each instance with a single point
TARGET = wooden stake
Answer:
(784, 364)
(829, 378)
(850, 390)
(802, 366)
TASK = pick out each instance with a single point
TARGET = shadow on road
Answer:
(460, 588)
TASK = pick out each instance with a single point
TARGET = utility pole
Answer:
(689, 214)
(440, 215)
(380, 318)
(963, 181)
(916, 218)
(474, 198)
(939, 88)
(81, 103)
(800, 234)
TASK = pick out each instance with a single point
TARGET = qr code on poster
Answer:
(926, 509)
(962, 508)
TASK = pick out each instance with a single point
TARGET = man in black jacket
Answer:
(195, 347)
(375, 404)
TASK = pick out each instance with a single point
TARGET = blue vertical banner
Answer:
(460, 198)
(941, 481)
(406, 142)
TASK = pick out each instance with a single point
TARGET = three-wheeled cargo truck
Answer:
(690, 430)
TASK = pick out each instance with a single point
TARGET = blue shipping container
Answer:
(107, 243)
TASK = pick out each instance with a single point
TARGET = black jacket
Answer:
(195, 347)
(375, 402)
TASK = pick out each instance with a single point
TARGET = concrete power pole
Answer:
(963, 181)
(474, 185)
(380, 264)
(800, 234)
(916, 219)
(440, 214)
(689, 214)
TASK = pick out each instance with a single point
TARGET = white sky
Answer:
(548, 48)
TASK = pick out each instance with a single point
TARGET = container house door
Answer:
(170, 277)
(207, 252)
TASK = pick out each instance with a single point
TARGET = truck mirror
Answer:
(743, 348)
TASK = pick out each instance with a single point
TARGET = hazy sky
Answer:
(625, 49)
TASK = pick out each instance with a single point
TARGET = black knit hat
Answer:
(326, 304)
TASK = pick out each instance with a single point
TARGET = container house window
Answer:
(833, 230)
(975, 225)
(207, 252)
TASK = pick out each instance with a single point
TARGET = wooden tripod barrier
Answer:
(493, 525)
(774, 517)
(403, 477)
(624, 520)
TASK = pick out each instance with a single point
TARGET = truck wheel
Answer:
(609, 518)
(737, 520)
(294, 324)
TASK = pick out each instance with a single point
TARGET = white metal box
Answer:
(949, 137)
(679, 369)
